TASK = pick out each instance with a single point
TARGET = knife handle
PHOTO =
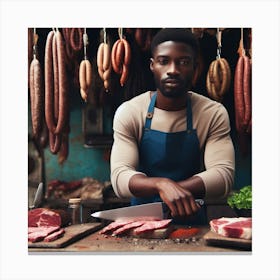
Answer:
(200, 201)
(166, 210)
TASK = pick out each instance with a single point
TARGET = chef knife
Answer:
(38, 196)
(157, 210)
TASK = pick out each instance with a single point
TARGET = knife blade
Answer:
(157, 210)
(38, 196)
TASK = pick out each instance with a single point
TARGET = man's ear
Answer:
(152, 64)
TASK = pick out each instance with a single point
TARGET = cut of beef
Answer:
(138, 224)
(45, 224)
(36, 234)
(55, 235)
(113, 226)
(127, 227)
(43, 217)
(124, 221)
(233, 227)
(152, 225)
(46, 217)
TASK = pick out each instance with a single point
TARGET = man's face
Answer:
(173, 68)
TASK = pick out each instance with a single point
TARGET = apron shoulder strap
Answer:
(150, 112)
(189, 114)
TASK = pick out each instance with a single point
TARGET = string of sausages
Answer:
(104, 64)
(218, 78)
(242, 91)
(36, 91)
(121, 58)
(56, 98)
(143, 37)
(85, 72)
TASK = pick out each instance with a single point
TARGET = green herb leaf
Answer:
(241, 199)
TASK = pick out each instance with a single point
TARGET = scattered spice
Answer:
(184, 232)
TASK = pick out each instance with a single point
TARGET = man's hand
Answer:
(177, 195)
(179, 200)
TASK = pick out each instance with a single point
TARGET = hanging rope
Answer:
(85, 42)
(219, 43)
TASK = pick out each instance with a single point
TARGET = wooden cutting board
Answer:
(214, 239)
(72, 234)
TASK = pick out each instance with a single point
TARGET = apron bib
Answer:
(174, 155)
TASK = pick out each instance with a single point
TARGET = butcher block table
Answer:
(203, 241)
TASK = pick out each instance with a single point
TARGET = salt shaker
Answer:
(75, 210)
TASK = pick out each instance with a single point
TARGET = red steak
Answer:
(139, 224)
(36, 234)
(55, 235)
(233, 227)
(47, 217)
(152, 225)
(127, 227)
(45, 224)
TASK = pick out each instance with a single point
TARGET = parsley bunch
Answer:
(241, 199)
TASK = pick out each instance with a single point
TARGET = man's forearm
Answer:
(141, 185)
(195, 185)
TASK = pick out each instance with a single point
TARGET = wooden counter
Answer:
(97, 243)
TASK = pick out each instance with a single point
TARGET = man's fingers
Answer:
(173, 208)
(194, 205)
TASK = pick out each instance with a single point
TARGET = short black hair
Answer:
(182, 35)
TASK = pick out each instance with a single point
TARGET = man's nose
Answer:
(173, 68)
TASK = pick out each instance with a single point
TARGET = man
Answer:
(162, 137)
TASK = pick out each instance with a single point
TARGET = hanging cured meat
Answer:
(36, 91)
(143, 38)
(85, 72)
(121, 57)
(218, 79)
(56, 98)
(104, 64)
(36, 96)
(242, 98)
(219, 75)
(242, 92)
(85, 78)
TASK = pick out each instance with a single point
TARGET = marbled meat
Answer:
(152, 225)
(36, 234)
(46, 224)
(138, 224)
(41, 217)
(55, 235)
(233, 227)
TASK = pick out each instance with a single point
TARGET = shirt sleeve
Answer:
(219, 157)
(124, 155)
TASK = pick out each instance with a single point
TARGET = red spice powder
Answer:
(184, 232)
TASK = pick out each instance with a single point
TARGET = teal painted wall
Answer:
(81, 161)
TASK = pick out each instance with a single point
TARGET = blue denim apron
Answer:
(174, 155)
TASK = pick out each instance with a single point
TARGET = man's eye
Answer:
(162, 61)
(184, 61)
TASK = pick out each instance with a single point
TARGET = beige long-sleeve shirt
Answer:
(211, 121)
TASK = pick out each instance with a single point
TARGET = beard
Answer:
(173, 92)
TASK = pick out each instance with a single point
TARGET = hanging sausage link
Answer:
(104, 63)
(121, 57)
(56, 99)
(56, 82)
(36, 96)
(219, 75)
(218, 79)
(85, 78)
(242, 94)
